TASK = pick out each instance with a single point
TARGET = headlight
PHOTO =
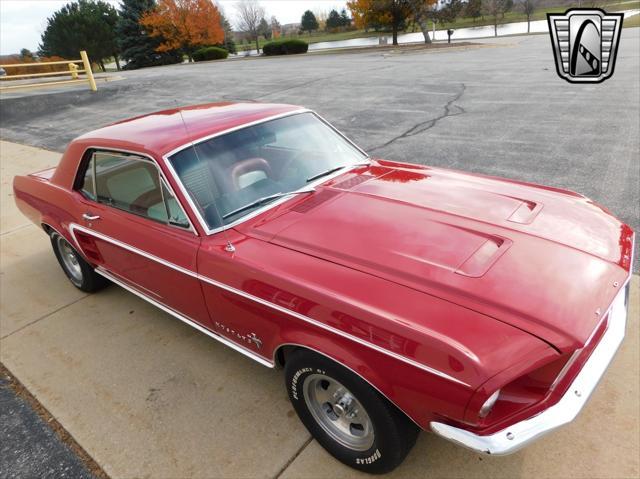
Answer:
(503, 397)
(516, 395)
(488, 404)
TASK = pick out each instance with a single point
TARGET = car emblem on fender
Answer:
(585, 43)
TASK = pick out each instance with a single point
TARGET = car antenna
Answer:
(229, 246)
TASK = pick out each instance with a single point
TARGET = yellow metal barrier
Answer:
(74, 71)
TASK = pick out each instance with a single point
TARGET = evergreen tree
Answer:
(228, 44)
(333, 20)
(83, 25)
(264, 29)
(308, 22)
(26, 55)
(345, 20)
(137, 46)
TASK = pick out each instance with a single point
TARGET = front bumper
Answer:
(565, 410)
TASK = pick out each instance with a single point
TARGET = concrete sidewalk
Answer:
(147, 396)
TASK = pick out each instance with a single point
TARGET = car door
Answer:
(131, 225)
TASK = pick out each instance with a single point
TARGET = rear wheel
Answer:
(79, 272)
(349, 418)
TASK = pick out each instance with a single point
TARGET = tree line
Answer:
(395, 15)
(141, 32)
(158, 32)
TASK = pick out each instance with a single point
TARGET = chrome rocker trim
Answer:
(111, 277)
(73, 227)
(564, 411)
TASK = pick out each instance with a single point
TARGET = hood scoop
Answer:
(526, 212)
(364, 233)
(483, 258)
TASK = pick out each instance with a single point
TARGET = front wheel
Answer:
(79, 272)
(349, 418)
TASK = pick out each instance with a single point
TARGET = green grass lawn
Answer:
(316, 38)
(631, 22)
(463, 22)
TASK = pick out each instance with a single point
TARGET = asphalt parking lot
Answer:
(147, 396)
(499, 109)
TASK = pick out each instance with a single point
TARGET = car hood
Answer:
(546, 261)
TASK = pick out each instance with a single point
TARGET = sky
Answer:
(23, 21)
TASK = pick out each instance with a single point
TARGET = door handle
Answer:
(90, 217)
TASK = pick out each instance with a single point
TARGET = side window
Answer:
(169, 210)
(88, 186)
(132, 184)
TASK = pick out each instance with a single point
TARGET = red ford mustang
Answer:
(397, 297)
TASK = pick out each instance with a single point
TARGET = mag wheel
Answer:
(79, 272)
(338, 412)
(349, 418)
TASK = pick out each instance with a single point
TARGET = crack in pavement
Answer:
(427, 124)
(293, 458)
(299, 85)
(44, 316)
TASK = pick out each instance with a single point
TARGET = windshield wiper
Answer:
(264, 200)
(325, 173)
(333, 170)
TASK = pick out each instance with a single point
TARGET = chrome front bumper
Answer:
(564, 411)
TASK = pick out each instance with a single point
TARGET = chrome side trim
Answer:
(73, 227)
(250, 354)
(333, 330)
(137, 286)
(194, 207)
(564, 411)
(302, 346)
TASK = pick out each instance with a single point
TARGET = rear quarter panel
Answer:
(43, 202)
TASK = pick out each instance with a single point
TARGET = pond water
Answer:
(537, 26)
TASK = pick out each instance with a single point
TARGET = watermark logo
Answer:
(585, 43)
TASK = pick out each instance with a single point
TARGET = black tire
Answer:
(79, 272)
(394, 434)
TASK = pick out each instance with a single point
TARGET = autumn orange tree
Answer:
(184, 24)
(388, 13)
(392, 14)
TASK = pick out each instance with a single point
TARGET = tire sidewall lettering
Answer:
(370, 459)
(296, 379)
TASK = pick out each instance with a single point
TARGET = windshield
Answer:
(225, 175)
